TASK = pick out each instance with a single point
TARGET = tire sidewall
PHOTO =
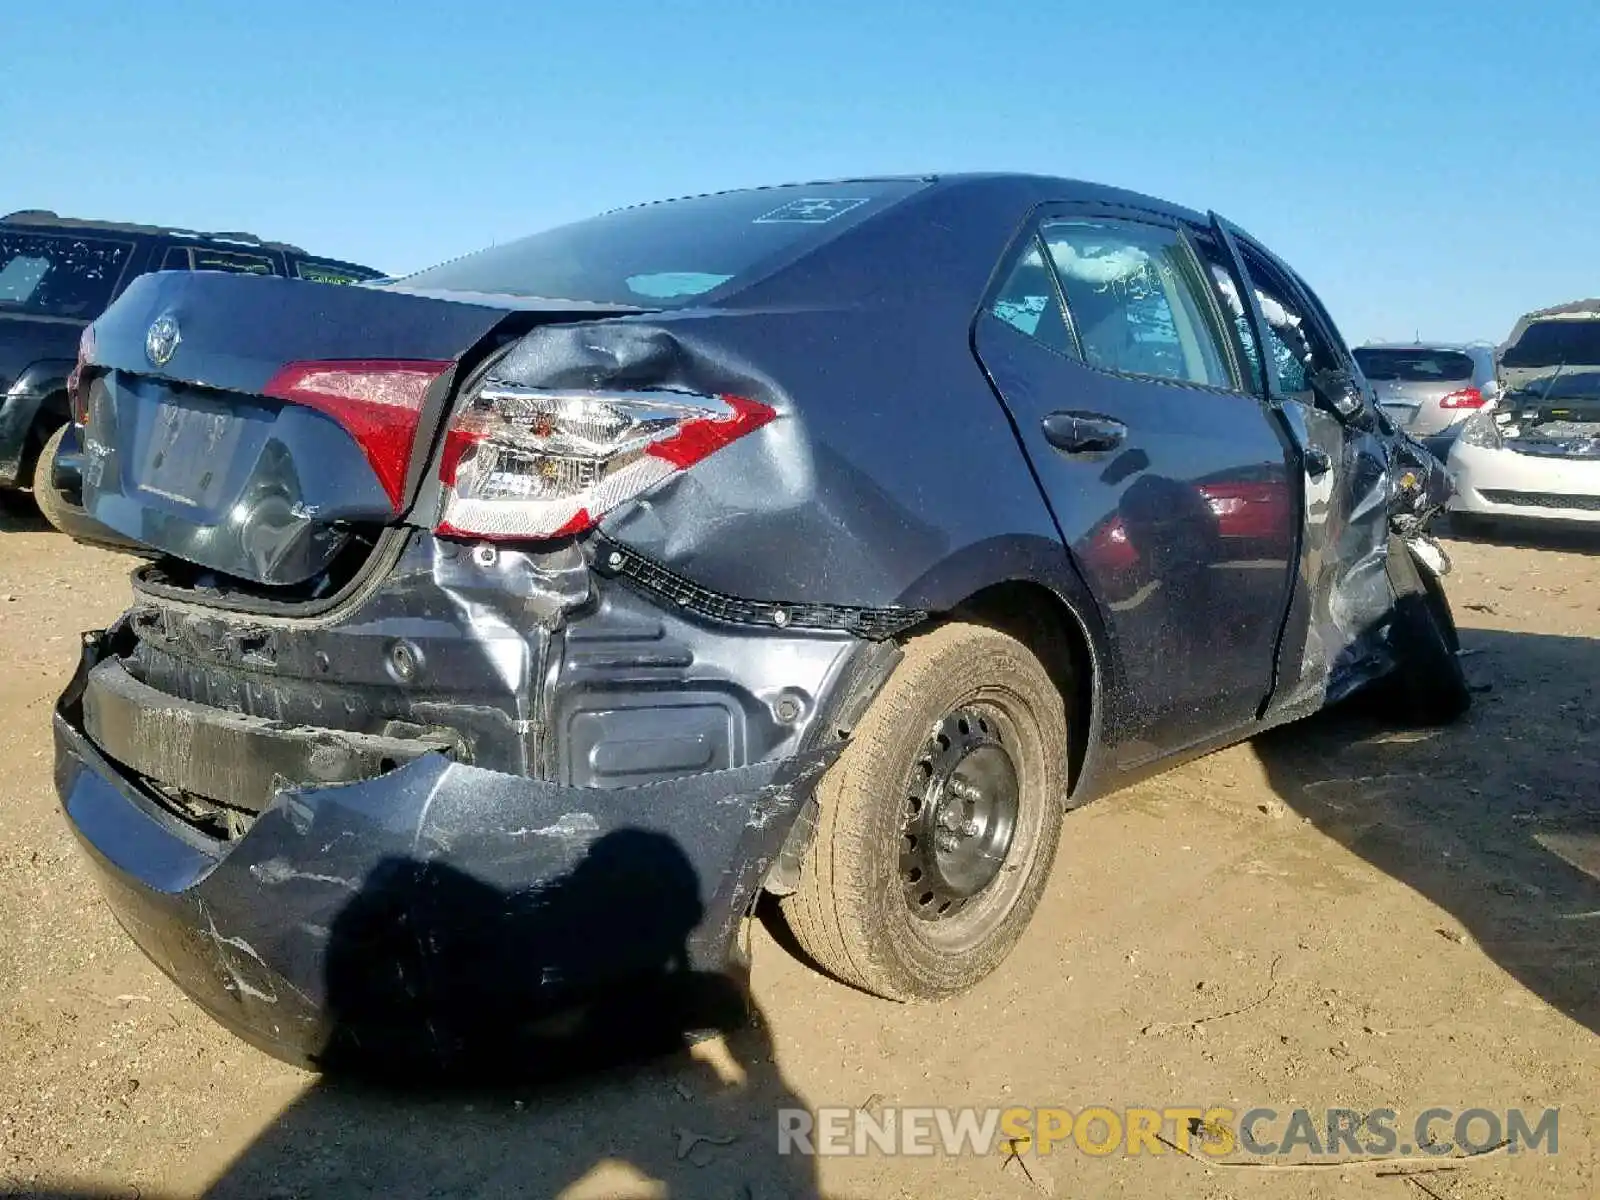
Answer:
(997, 673)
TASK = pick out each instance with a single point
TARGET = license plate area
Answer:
(191, 448)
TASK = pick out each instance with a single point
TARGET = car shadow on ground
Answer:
(1496, 819)
(1547, 535)
(19, 514)
(452, 1076)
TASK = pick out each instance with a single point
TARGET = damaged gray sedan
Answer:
(516, 625)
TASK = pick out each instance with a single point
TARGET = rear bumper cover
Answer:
(439, 903)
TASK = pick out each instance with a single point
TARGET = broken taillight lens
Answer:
(378, 402)
(526, 462)
(76, 398)
(1465, 398)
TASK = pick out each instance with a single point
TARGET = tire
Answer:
(1428, 686)
(1439, 604)
(64, 516)
(860, 909)
(51, 503)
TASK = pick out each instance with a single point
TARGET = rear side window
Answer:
(669, 254)
(1551, 343)
(59, 275)
(1135, 297)
(1414, 366)
(320, 271)
(1233, 307)
(227, 260)
(1030, 303)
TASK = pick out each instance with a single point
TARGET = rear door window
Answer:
(1414, 365)
(1233, 308)
(1137, 302)
(59, 275)
(673, 253)
(1297, 348)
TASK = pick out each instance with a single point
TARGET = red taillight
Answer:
(523, 462)
(378, 402)
(1465, 398)
(76, 398)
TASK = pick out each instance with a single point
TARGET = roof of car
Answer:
(41, 218)
(1576, 308)
(1464, 347)
(1037, 189)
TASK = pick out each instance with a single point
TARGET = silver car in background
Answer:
(1426, 389)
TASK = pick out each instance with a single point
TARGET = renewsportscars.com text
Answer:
(1216, 1131)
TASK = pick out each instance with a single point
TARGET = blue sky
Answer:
(1429, 167)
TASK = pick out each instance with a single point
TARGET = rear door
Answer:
(1167, 478)
(1341, 589)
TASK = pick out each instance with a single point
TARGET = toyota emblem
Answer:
(161, 341)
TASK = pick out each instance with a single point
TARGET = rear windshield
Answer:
(1551, 343)
(59, 275)
(670, 254)
(1415, 366)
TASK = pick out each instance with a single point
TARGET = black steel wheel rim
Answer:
(960, 815)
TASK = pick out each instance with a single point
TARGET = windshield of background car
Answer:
(59, 275)
(1414, 366)
(669, 254)
(1561, 385)
(1551, 343)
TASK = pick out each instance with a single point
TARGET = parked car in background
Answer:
(1427, 388)
(57, 274)
(1536, 457)
(519, 623)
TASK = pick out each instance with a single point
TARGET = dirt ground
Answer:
(1406, 919)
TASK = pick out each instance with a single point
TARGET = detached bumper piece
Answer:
(429, 912)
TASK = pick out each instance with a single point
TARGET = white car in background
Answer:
(1536, 454)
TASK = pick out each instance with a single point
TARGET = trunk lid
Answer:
(209, 439)
(1403, 399)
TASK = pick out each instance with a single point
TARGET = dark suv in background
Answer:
(59, 273)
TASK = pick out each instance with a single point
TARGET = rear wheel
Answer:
(939, 823)
(62, 514)
(51, 502)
